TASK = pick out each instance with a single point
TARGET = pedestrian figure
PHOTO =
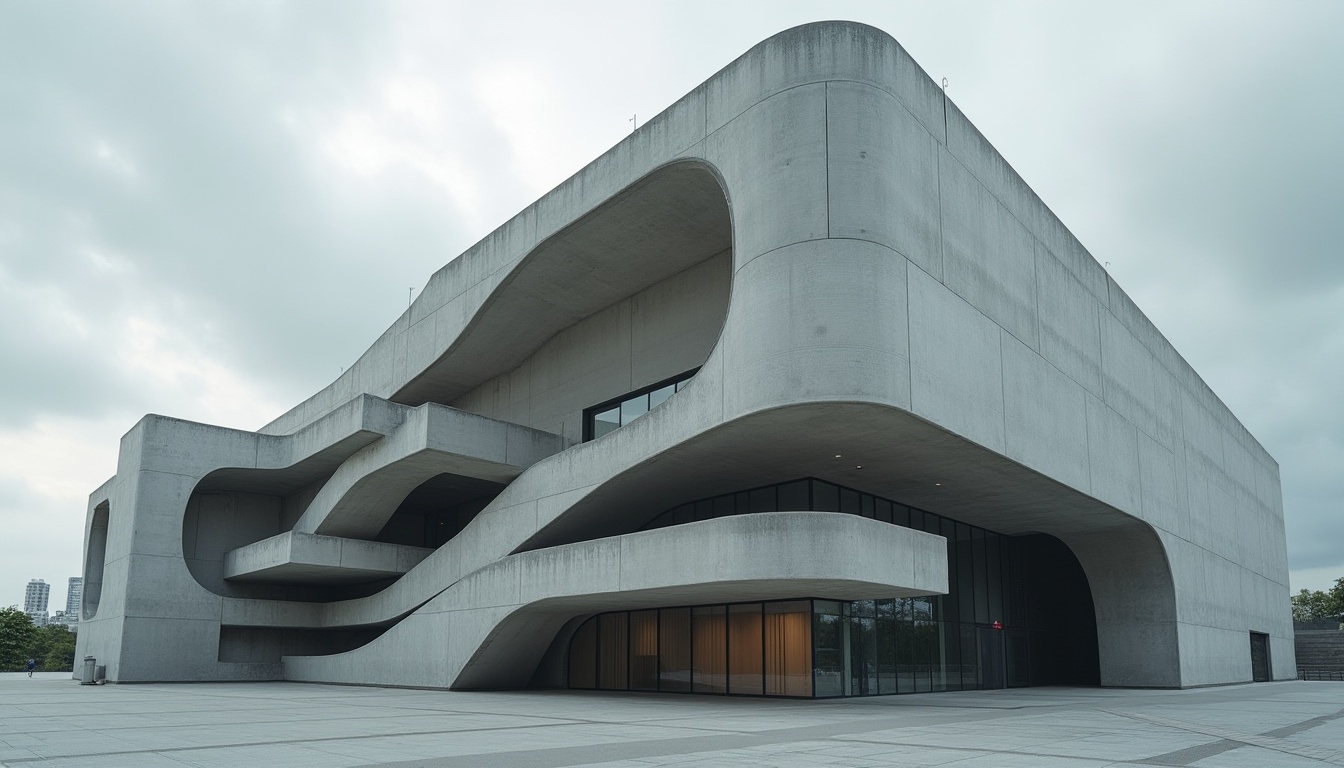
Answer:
(32, 664)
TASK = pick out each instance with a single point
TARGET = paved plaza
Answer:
(52, 722)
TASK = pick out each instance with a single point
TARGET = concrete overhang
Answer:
(311, 559)
(875, 448)
(363, 493)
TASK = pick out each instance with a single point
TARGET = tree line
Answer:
(52, 646)
(1318, 605)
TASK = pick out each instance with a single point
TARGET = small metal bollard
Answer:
(89, 676)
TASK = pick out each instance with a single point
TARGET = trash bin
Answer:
(90, 671)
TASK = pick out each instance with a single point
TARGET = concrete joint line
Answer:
(1264, 741)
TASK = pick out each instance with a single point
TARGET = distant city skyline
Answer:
(37, 596)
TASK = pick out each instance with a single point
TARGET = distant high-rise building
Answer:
(74, 597)
(35, 601)
(35, 597)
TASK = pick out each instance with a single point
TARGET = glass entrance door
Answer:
(991, 657)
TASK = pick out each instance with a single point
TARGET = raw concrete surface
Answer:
(51, 721)
(883, 277)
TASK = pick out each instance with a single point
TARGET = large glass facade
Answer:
(744, 648)
(1018, 612)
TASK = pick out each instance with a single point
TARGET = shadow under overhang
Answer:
(878, 449)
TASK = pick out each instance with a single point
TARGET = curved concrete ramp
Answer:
(491, 629)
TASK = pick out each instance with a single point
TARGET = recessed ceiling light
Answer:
(858, 466)
(838, 456)
(937, 483)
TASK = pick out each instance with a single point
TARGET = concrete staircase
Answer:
(1320, 654)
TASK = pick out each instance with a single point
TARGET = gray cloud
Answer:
(247, 180)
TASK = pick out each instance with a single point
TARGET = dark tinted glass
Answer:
(849, 502)
(763, 500)
(884, 510)
(723, 506)
(793, 497)
(825, 497)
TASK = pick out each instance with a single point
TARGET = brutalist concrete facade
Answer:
(866, 291)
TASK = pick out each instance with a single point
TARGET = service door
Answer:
(1260, 671)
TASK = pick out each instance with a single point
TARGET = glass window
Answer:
(905, 648)
(644, 650)
(683, 514)
(925, 637)
(606, 421)
(746, 670)
(916, 519)
(830, 637)
(709, 652)
(825, 497)
(900, 515)
(965, 574)
(723, 506)
(949, 661)
(583, 656)
(886, 646)
(788, 648)
(863, 653)
(658, 396)
(674, 649)
(884, 510)
(981, 576)
(849, 502)
(869, 510)
(948, 605)
(970, 658)
(704, 510)
(634, 408)
(763, 500)
(932, 523)
(793, 497)
(612, 659)
(994, 572)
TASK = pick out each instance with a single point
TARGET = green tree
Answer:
(54, 648)
(1313, 605)
(16, 638)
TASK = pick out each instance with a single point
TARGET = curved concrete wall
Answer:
(898, 296)
(493, 627)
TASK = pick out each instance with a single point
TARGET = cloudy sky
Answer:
(207, 210)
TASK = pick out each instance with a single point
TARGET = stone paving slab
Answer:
(49, 721)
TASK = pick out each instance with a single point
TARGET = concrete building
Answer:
(798, 390)
(35, 598)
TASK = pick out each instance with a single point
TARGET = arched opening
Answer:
(95, 557)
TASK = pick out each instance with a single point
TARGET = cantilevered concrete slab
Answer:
(432, 440)
(305, 557)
